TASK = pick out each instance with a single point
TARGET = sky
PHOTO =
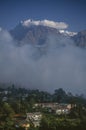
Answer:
(72, 12)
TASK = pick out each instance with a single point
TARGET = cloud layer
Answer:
(57, 25)
(60, 66)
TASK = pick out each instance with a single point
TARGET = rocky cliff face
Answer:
(34, 35)
(38, 35)
(80, 39)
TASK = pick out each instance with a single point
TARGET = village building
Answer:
(34, 118)
(58, 108)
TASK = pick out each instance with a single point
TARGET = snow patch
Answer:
(67, 33)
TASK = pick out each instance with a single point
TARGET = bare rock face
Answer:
(34, 35)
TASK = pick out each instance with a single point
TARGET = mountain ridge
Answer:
(37, 33)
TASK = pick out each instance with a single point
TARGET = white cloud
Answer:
(63, 67)
(0, 28)
(53, 24)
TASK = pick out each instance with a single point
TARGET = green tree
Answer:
(59, 95)
(7, 110)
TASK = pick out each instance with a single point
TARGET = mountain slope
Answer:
(38, 33)
(80, 39)
(33, 35)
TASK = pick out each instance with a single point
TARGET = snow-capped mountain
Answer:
(38, 33)
(33, 33)
(47, 23)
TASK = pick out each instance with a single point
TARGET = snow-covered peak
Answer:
(53, 24)
(67, 33)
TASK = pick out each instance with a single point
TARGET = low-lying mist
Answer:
(61, 64)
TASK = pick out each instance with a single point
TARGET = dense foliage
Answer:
(15, 100)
